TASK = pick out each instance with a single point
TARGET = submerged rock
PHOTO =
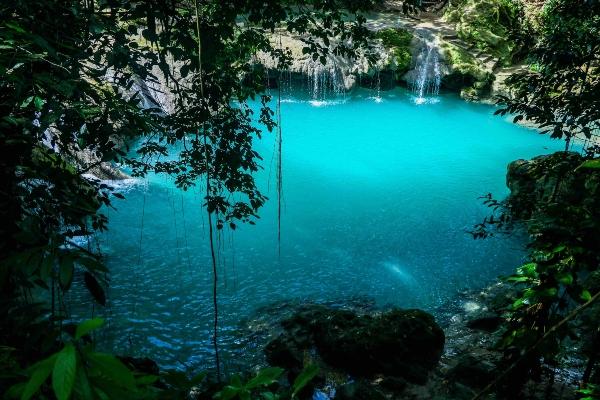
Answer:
(472, 371)
(400, 343)
(487, 322)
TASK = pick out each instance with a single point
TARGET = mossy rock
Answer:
(398, 42)
(401, 343)
(467, 75)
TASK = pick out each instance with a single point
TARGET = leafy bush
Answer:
(78, 371)
(259, 385)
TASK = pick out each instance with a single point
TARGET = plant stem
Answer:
(210, 226)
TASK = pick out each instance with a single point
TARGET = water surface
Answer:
(378, 197)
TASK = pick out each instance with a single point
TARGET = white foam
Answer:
(326, 103)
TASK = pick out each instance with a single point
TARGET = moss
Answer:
(488, 24)
(467, 74)
(464, 62)
(398, 41)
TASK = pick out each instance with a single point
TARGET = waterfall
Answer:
(325, 82)
(428, 79)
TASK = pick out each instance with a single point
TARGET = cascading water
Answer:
(428, 80)
(325, 81)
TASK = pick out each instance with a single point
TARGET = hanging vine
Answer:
(208, 211)
(279, 157)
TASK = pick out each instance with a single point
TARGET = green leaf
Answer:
(113, 369)
(565, 278)
(38, 103)
(65, 275)
(590, 164)
(87, 326)
(92, 264)
(549, 292)
(94, 287)
(244, 394)
(236, 381)
(585, 295)
(518, 304)
(517, 278)
(227, 393)
(26, 102)
(307, 375)
(145, 380)
(265, 376)
(82, 388)
(40, 372)
(63, 375)
(528, 269)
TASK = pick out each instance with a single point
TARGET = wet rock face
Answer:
(401, 343)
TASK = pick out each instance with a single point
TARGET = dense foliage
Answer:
(557, 198)
(74, 79)
(562, 93)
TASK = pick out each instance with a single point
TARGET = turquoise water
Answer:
(378, 196)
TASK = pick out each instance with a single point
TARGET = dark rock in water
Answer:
(487, 322)
(393, 384)
(472, 372)
(144, 365)
(358, 391)
(285, 352)
(400, 343)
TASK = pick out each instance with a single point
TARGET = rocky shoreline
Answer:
(366, 352)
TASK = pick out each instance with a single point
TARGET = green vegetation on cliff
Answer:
(467, 73)
(493, 26)
(398, 41)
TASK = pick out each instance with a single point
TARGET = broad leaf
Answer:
(40, 372)
(94, 287)
(87, 326)
(307, 374)
(265, 376)
(113, 369)
(63, 375)
(227, 393)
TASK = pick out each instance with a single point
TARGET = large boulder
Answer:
(401, 343)
(552, 178)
